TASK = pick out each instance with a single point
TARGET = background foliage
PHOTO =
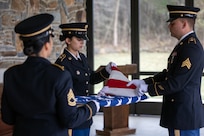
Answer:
(154, 33)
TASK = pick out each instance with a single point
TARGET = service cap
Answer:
(181, 12)
(74, 29)
(34, 25)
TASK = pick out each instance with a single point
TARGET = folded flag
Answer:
(115, 92)
(117, 84)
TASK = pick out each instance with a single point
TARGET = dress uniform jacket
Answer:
(38, 100)
(180, 86)
(82, 75)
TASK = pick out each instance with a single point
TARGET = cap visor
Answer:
(171, 19)
(83, 37)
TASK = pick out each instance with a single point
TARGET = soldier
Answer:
(37, 95)
(74, 35)
(182, 110)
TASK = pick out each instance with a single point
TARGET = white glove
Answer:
(109, 65)
(141, 86)
(141, 89)
(103, 91)
(97, 105)
(136, 82)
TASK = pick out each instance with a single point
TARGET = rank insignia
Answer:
(186, 63)
(71, 98)
(192, 39)
(62, 56)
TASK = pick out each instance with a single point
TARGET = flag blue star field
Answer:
(108, 101)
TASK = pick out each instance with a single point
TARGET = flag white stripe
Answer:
(121, 92)
(118, 75)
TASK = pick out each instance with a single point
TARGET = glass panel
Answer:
(155, 41)
(199, 28)
(111, 33)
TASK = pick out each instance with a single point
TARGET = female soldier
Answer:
(74, 61)
(37, 96)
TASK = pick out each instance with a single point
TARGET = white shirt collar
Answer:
(76, 57)
(185, 36)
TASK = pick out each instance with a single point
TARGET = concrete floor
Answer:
(145, 125)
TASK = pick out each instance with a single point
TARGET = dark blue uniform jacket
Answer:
(38, 100)
(180, 86)
(82, 75)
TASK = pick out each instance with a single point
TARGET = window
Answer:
(155, 41)
(111, 33)
(200, 32)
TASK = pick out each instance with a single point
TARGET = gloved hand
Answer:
(141, 86)
(141, 89)
(103, 91)
(97, 105)
(136, 82)
(109, 65)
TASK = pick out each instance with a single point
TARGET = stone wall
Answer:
(13, 11)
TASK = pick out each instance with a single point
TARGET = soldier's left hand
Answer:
(109, 65)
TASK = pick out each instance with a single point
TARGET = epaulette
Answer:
(192, 39)
(59, 66)
(62, 57)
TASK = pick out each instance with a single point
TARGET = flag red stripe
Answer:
(119, 84)
(115, 68)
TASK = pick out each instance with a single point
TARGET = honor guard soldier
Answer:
(74, 35)
(182, 110)
(37, 95)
